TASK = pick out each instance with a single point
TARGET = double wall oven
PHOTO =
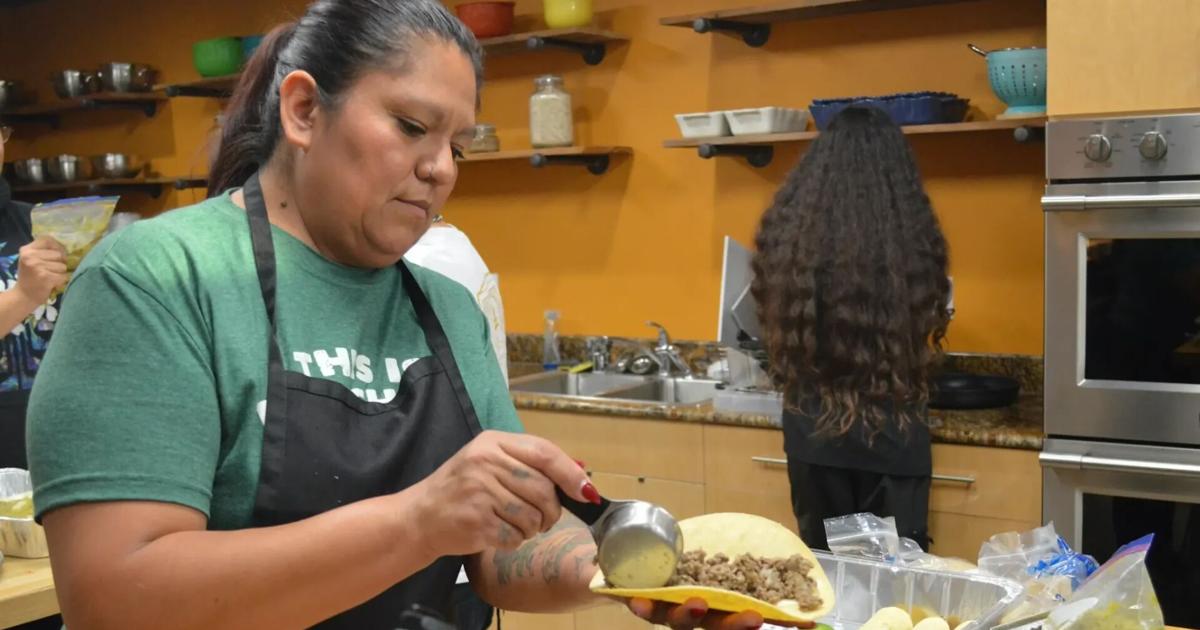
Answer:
(1122, 352)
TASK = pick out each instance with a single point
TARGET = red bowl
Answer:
(487, 19)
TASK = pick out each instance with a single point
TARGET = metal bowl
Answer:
(66, 168)
(127, 77)
(116, 165)
(75, 83)
(30, 170)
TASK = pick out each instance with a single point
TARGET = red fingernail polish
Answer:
(696, 613)
(590, 493)
(582, 465)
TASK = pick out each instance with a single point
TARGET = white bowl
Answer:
(703, 125)
(766, 120)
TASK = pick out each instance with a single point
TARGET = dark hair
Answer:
(850, 279)
(335, 41)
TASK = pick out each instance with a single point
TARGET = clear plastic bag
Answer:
(1041, 561)
(865, 535)
(1117, 597)
(78, 224)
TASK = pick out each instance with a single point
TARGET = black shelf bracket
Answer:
(757, 155)
(596, 164)
(188, 183)
(147, 107)
(101, 188)
(1029, 135)
(755, 35)
(592, 54)
(197, 91)
(50, 120)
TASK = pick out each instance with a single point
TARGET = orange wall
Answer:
(644, 241)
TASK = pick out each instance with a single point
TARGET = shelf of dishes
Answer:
(108, 172)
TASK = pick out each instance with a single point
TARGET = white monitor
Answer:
(738, 312)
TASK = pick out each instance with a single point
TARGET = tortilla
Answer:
(733, 535)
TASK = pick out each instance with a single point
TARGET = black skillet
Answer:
(959, 390)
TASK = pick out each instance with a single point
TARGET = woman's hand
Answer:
(495, 493)
(41, 268)
(694, 613)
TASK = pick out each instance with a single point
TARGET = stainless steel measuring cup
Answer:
(638, 543)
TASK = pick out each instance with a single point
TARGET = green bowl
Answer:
(217, 57)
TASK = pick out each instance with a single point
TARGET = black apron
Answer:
(324, 447)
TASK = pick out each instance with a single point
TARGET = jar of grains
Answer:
(550, 119)
(485, 140)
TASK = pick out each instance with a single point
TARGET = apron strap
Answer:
(274, 432)
(435, 337)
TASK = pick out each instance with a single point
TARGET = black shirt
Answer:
(21, 349)
(892, 452)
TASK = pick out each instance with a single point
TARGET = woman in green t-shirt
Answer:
(254, 414)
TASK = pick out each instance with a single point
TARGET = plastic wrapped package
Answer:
(1042, 562)
(866, 535)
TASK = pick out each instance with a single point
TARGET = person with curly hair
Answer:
(852, 291)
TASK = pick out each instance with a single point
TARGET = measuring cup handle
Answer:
(589, 513)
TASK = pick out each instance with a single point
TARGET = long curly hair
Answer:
(850, 280)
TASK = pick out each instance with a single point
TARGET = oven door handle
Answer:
(1059, 203)
(1114, 464)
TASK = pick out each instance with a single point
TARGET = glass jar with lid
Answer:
(551, 123)
(485, 140)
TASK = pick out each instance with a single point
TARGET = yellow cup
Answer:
(568, 13)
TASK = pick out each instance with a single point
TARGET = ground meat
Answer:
(770, 580)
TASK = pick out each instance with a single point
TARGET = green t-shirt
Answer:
(155, 383)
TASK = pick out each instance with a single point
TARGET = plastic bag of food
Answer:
(1042, 562)
(1117, 597)
(78, 224)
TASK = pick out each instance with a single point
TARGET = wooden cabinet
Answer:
(978, 492)
(1115, 56)
(640, 447)
(745, 470)
(682, 499)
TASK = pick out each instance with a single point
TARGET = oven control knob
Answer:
(1153, 146)
(1097, 148)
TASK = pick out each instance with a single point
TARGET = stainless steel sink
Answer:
(672, 391)
(675, 391)
(589, 384)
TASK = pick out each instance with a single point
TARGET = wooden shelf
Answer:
(753, 24)
(214, 87)
(152, 186)
(758, 149)
(597, 159)
(50, 113)
(591, 43)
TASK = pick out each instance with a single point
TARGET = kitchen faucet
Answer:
(667, 355)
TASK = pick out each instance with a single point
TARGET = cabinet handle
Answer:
(953, 478)
(770, 461)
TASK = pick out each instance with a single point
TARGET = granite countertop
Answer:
(1016, 426)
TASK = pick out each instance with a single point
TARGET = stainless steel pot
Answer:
(127, 77)
(116, 165)
(30, 170)
(75, 83)
(66, 168)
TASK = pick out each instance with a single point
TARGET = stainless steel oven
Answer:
(1122, 350)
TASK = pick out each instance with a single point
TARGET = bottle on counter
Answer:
(551, 123)
(551, 357)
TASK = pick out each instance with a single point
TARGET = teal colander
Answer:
(1018, 77)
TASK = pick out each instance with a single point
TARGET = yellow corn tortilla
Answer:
(733, 535)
